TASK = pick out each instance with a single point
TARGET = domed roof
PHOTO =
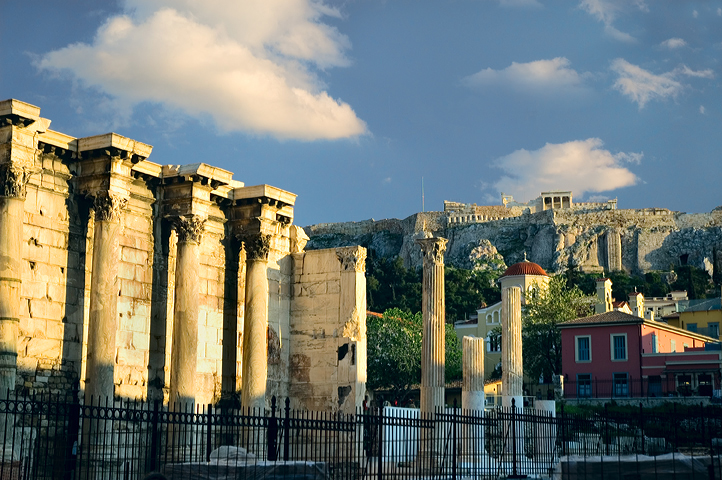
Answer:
(525, 268)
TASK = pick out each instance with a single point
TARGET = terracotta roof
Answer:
(525, 268)
(607, 317)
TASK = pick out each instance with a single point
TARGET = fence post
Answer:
(209, 426)
(453, 445)
(513, 439)
(379, 472)
(564, 443)
(286, 430)
(641, 424)
(272, 435)
(607, 439)
(154, 436)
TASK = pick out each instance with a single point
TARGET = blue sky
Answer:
(350, 103)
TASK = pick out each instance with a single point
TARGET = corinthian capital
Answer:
(13, 180)
(352, 258)
(107, 206)
(189, 228)
(257, 246)
(433, 250)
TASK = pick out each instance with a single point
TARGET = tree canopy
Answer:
(394, 352)
(545, 308)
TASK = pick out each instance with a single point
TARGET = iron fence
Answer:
(59, 438)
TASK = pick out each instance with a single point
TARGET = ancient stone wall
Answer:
(135, 280)
(328, 330)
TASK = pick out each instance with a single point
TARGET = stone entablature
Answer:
(132, 278)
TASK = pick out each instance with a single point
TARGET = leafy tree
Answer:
(695, 280)
(544, 309)
(394, 352)
(467, 290)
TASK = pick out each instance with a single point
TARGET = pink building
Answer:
(615, 354)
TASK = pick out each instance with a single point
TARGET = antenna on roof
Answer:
(422, 195)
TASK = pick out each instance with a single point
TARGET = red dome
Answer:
(525, 268)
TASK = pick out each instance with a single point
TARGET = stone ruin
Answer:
(126, 278)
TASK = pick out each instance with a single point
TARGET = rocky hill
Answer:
(635, 240)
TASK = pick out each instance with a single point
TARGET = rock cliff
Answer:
(635, 240)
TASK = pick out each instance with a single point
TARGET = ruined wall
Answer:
(193, 217)
(328, 330)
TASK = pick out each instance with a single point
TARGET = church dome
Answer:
(525, 268)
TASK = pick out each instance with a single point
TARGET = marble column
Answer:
(103, 319)
(512, 365)
(255, 325)
(433, 342)
(472, 395)
(472, 391)
(13, 180)
(186, 308)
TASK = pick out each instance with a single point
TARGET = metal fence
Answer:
(632, 388)
(58, 438)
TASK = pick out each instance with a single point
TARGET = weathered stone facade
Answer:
(123, 277)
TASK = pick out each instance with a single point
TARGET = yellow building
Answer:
(523, 275)
(700, 316)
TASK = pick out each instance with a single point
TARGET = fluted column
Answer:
(472, 391)
(13, 180)
(103, 319)
(433, 342)
(472, 394)
(255, 329)
(184, 352)
(512, 365)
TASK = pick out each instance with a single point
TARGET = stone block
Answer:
(213, 351)
(133, 255)
(126, 270)
(56, 292)
(127, 356)
(124, 339)
(33, 250)
(57, 256)
(44, 308)
(43, 348)
(133, 289)
(141, 341)
(53, 238)
(33, 289)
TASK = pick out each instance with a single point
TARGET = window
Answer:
(655, 343)
(714, 329)
(584, 385)
(692, 327)
(619, 347)
(654, 386)
(493, 343)
(673, 345)
(621, 385)
(584, 348)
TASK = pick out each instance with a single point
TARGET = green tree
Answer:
(467, 290)
(394, 352)
(545, 308)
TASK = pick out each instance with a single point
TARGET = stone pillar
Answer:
(472, 391)
(512, 365)
(472, 394)
(13, 180)
(433, 343)
(103, 319)
(255, 329)
(184, 352)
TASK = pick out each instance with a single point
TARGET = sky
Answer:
(382, 108)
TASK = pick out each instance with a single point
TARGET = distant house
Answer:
(700, 316)
(616, 354)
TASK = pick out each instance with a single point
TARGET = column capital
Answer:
(189, 228)
(14, 179)
(352, 258)
(433, 250)
(108, 205)
(257, 245)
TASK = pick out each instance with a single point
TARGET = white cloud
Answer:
(520, 3)
(250, 65)
(695, 13)
(537, 77)
(701, 109)
(581, 166)
(642, 86)
(673, 43)
(719, 12)
(607, 11)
